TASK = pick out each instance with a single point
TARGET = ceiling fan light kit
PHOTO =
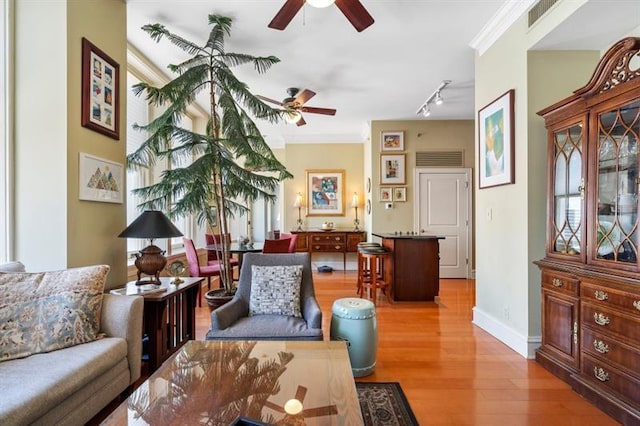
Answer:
(353, 10)
(435, 97)
(321, 3)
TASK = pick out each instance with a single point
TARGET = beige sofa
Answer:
(71, 385)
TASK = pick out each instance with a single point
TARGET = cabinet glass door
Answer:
(568, 190)
(617, 173)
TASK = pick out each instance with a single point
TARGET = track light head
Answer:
(435, 97)
(439, 99)
(426, 111)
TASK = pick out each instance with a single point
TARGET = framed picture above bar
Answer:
(392, 169)
(325, 192)
(392, 141)
(100, 91)
(496, 138)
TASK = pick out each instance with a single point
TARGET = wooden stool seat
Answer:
(371, 274)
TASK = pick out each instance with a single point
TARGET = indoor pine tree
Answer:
(230, 164)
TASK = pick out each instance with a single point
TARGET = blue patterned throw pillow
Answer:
(275, 290)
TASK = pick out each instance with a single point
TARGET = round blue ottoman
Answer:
(354, 320)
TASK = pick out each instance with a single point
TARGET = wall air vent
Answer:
(540, 9)
(440, 159)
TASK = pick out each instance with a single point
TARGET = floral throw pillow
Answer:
(42, 312)
(275, 290)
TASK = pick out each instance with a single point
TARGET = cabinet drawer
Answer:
(607, 321)
(611, 297)
(327, 238)
(606, 375)
(328, 248)
(560, 282)
(607, 349)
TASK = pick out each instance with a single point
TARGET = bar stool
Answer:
(362, 268)
(372, 276)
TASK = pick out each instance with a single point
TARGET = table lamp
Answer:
(150, 261)
(298, 204)
(354, 203)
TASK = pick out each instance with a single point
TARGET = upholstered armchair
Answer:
(233, 322)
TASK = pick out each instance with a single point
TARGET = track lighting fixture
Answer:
(435, 97)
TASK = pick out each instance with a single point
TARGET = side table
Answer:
(169, 317)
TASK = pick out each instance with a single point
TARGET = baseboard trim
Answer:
(525, 346)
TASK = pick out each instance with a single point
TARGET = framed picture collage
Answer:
(392, 167)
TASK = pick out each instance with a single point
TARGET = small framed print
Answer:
(392, 169)
(392, 141)
(400, 194)
(100, 179)
(100, 91)
(386, 194)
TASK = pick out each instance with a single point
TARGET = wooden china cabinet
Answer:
(591, 271)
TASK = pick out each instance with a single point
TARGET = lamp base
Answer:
(150, 261)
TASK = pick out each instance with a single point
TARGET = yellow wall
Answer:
(54, 229)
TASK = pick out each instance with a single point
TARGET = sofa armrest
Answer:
(122, 317)
(228, 313)
(311, 312)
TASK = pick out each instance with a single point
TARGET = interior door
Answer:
(442, 207)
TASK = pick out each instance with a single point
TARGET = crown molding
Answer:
(499, 23)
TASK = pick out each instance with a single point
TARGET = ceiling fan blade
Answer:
(273, 406)
(320, 411)
(315, 110)
(301, 122)
(304, 97)
(286, 14)
(355, 13)
(269, 100)
(301, 392)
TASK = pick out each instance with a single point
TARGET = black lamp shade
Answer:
(151, 224)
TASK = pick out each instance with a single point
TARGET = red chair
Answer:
(292, 244)
(212, 255)
(276, 246)
(195, 270)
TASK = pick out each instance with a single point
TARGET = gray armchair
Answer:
(231, 321)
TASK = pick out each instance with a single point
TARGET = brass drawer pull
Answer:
(575, 333)
(600, 374)
(557, 282)
(600, 346)
(601, 319)
(601, 295)
(338, 247)
(636, 304)
(316, 247)
(337, 238)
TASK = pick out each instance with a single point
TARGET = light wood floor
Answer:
(452, 372)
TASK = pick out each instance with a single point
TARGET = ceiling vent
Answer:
(539, 9)
(440, 159)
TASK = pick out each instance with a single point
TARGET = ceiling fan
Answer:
(294, 105)
(352, 9)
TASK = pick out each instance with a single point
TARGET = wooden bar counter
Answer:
(413, 266)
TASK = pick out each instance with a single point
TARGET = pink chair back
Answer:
(292, 244)
(212, 239)
(192, 257)
(276, 246)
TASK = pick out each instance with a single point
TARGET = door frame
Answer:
(416, 203)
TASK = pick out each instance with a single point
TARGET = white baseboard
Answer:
(523, 345)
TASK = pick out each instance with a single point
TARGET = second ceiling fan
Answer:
(352, 9)
(294, 104)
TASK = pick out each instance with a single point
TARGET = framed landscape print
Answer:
(392, 169)
(100, 91)
(100, 179)
(392, 141)
(400, 194)
(496, 138)
(325, 193)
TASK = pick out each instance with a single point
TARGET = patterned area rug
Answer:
(384, 404)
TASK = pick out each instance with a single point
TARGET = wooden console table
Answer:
(414, 265)
(169, 317)
(334, 241)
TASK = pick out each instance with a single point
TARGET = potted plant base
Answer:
(216, 298)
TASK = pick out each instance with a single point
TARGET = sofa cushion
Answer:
(42, 312)
(12, 267)
(275, 290)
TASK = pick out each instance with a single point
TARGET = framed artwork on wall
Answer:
(392, 141)
(100, 179)
(496, 162)
(400, 194)
(386, 194)
(392, 169)
(325, 192)
(100, 91)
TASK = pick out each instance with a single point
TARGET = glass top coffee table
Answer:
(276, 382)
